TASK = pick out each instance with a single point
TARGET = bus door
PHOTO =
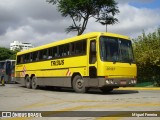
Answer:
(2, 68)
(8, 71)
(13, 71)
(93, 63)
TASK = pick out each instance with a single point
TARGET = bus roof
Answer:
(83, 36)
(7, 60)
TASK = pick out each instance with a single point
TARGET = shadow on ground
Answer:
(90, 91)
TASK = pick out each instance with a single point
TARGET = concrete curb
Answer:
(139, 88)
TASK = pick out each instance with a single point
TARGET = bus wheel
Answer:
(34, 83)
(106, 89)
(78, 84)
(28, 82)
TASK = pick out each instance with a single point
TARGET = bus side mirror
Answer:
(93, 46)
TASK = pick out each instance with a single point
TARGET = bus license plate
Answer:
(123, 82)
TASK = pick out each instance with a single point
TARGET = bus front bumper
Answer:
(117, 82)
(113, 82)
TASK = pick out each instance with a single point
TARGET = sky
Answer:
(38, 22)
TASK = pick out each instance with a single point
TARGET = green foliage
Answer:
(5, 53)
(147, 55)
(81, 10)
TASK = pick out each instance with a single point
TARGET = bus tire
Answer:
(106, 89)
(79, 84)
(34, 82)
(28, 82)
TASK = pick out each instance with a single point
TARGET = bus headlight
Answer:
(135, 81)
(132, 81)
(107, 82)
(111, 81)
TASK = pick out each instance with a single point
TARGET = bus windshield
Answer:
(116, 50)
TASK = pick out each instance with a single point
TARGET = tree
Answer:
(5, 53)
(106, 19)
(13, 56)
(80, 11)
(147, 55)
(147, 48)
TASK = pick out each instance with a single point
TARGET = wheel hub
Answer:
(80, 83)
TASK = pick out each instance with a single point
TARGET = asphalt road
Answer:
(92, 105)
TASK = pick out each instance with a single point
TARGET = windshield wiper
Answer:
(114, 60)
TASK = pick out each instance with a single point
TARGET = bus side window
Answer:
(61, 51)
(40, 55)
(35, 56)
(45, 55)
(72, 48)
(80, 47)
(66, 50)
(21, 59)
(92, 55)
(27, 58)
(84, 46)
(18, 59)
(31, 59)
(50, 53)
(55, 52)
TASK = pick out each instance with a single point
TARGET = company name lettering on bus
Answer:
(57, 62)
(110, 68)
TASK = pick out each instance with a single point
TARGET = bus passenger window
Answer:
(49, 57)
(72, 48)
(21, 59)
(55, 52)
(31, 59)
(18, 59)
(56, 55)
(61, 50)
(27, 58)
(80, 47)
(35, 56)
(43, 54)
(66, 50)
(50, 53)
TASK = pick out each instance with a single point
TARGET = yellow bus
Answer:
(93, 60)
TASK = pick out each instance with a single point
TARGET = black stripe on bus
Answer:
(51, 69)
(56, 77)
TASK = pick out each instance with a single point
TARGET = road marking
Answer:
(99, 106)
(36, 105)
(44, 103)
(138, 88)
